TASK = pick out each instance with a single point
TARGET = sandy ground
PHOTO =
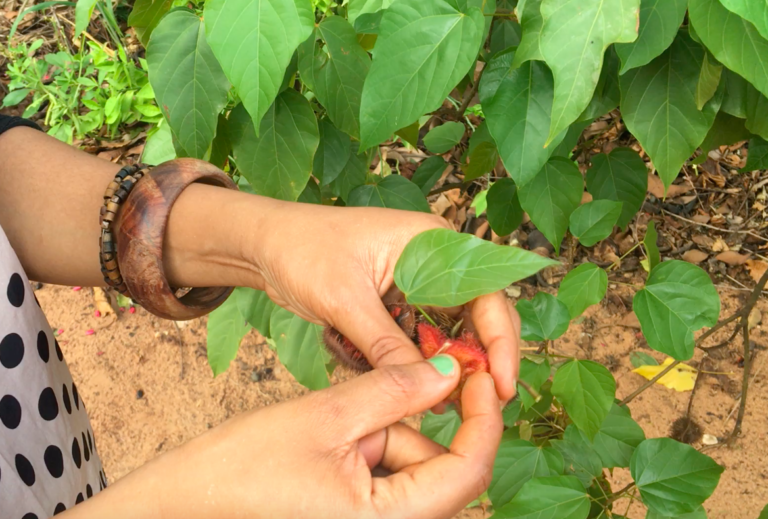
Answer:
(149, 389)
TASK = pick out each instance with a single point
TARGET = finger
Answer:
(372, 329)
(384, 396)
(397, 447)
(495, 321)
(443, 485)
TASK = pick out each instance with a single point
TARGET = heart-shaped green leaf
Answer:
(159, 146)
(620, 176)
(226, 328)
(428, 173)
(506, 33)
(187, 80)
(422, 52)
(574, 38)
(658, 102)
(551, 197)
(517, 103)
(553, 497)
(583, 287)
(531, 22)
(254, 41)
(482, 154)
(340, 73)
(699, 513)
(542, 318)
(504, 211)
(758, 155)
(444, 268)
(618, 437)
(594, 221)
(734, 41)
(356, 8)
(255, 307)
(444, 137)
(333, 153)
(393, 191)
(441, 428)
(586, 389)
(278, 162)
(673, 478)
(756, 11)
(145, 16)
(300, 348)
(517, 462)
(659, 21)
(580, 457)
(678, 299)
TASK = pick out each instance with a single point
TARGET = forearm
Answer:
(50, 196)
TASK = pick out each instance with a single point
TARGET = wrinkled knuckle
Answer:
(384, 350)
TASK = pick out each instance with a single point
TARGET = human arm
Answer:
(329, 265)
(312, 457)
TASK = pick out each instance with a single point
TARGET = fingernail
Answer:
(443, 364)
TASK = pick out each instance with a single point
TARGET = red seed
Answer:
(77, 289)
(99, 353)
(132, 310)
(89, 331)
(59, 331)
(97, 313)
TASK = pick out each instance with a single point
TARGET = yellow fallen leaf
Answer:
(681, 378)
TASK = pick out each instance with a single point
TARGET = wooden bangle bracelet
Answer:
(139, 232)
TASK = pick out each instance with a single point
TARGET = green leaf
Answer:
(586, 389)
(755, 11)
(83, 13)
(757, 112)
(340, 74)
(618, 437)
(422, 52)
(678, 299)
(15, 97)
(159, 147)
(444, 137)
(726, 130)
(594, 221)
(699, 513)
(620, 176)
(354, 173)
(551, 197)
(574, 38)
(583, 287)
(651, 248)
(254, 41)
(638, 358)
(145, 16)
(658, 103)
(311, 194)
(278, 162)
(255, 307)
(333, 153)
(410, 134)
(735, 95)
(758, 155)
(607, 93)
(506, 33)
(535, 374)
(734, 41)
(709, 80)
(529, 13)
(542, 318)
(763, 514)
(517, 103)
(517, 462)
(504, 211)
(673, 478)
(441, 428)
(428, 173)
(187, 80)
(554, 497)
(226, 328)
(300, 348)
(480, 202)
(482, 154)
(581, 460)
(393, 192)
(221, 147)
(443, 268)
(659, 21)
(356, 8)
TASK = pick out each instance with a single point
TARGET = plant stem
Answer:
(525, 385)
(616, 263)
(426, 316)
(649, 383)
(620, 493)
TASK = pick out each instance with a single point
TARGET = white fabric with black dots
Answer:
(48, 458)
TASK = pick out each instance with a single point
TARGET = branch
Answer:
(476, 85)
(649, 383)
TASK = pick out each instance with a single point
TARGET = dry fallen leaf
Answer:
(586, 198)
(756, 268)
(702, 240)
(732, 258)
(694, 256)
(681, 378)
(719, 245)
(655, 185)
(755, 318)
(700, 218)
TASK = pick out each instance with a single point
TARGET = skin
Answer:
(330, 266)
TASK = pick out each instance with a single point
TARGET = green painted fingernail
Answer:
(443, 364)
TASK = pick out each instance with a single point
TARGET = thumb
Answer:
(384, 396)
(372, 329)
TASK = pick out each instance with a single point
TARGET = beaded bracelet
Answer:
(117, 192)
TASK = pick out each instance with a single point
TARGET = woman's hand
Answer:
(333, 265)
(312, 457)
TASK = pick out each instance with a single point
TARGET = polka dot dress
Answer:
(48, 459)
